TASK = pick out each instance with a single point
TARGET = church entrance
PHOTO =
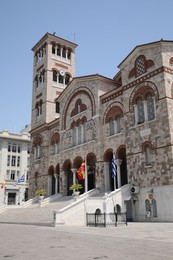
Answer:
(11, 198)
(51, 181)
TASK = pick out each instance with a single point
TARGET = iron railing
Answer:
(106, 219)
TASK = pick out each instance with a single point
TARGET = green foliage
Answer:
(76, 186)
(40, 192)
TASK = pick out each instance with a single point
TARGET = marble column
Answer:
(56, 182)
(118, 163)
(74, 176)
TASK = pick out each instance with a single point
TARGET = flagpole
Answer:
(86, 175)
(114, 182)
(114, 170)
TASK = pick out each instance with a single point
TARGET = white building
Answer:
(14, 163)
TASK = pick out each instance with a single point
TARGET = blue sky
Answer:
(105, 31)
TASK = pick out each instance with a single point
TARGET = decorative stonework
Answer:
(116, 108)
(76, 93)
(142, 88)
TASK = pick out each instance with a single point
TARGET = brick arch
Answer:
(68, 74)
(83, 107)
(147, 64)
(147, 143)
(142, 90)
(108, 155)
(54, 69)
(66, 165)
(55, 138)
(38, 139)
(121, 152)
(51, 170)
(77, 162)
(113, 110)
(79, 91)
(53, 43)
(91, 159)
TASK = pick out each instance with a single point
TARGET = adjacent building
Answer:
(14, 166)
(93, 117)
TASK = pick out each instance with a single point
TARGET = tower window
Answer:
(54, 75)
(59, 50)
(53, 49)
(69, 54)
(61, 79)
(64, 53)
(67, 79)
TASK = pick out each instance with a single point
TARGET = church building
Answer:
(93, 118)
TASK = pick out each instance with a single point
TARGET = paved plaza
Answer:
(135, 241)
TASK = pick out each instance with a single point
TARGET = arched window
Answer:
(117, 124)
(64, 52)
(111, 126)
(59, 50)
(144, 107)
(37, 152)
(37, 147)
(140, 65)
(117, 208)
(150, 107)
(55, 143)
(79, 133)
(53, 49)
(113, 117)
(61, 79)
(67, 79)
(54, 75)
(154, 205)
(147, 155)
(69, 54)
(140, 111)
(147, 205)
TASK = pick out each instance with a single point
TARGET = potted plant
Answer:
(76, 187)
(40, 193)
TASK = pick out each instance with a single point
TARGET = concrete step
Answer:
(34, 215)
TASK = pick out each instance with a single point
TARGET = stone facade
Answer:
(129, 116)
(14, 163)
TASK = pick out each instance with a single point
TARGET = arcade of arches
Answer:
(60, 183)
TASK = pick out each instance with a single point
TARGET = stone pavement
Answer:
(153, 241)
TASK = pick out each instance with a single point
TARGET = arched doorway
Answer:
(58, 178)
(110, 180)
(51, 180)
(91, 165)
(123, 166)
(76, 165)
(129, 210)
(68, 177)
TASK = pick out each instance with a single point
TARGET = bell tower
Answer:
(53, 69)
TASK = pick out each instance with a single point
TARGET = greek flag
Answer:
(114, 171)
(21, 179)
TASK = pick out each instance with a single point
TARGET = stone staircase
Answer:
(35, 214)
